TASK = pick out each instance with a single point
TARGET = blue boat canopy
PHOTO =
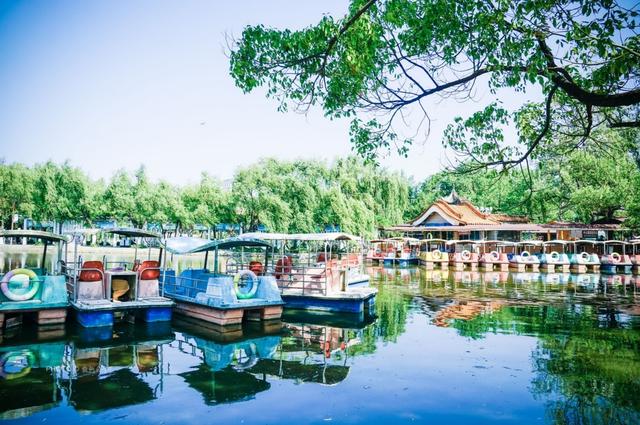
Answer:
(188, 245)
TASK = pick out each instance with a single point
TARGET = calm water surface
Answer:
(444, 348)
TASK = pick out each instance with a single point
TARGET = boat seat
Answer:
(92, 275)
(148, 270)
(256, 267)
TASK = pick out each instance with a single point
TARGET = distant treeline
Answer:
(306, 195)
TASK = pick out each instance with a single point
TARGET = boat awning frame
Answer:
(134, 233)
(189, 245)
(312, 237)
(36, 234)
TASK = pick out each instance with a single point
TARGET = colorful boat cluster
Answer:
(253, 278)
(555, 256)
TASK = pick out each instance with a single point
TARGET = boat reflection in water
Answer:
(100, 369)
(29, 371)
(122, 364)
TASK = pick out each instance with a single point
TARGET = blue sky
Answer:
(116, 84)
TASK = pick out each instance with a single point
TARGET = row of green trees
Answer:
(298, 196)
(307, 195)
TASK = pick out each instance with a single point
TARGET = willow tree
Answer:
(16, 188)
(59, 193)
(386, 59)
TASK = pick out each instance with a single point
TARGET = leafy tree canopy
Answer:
(386, 59)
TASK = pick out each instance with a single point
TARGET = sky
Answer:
(116, 84)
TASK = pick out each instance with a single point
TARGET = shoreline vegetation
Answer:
(348, 194)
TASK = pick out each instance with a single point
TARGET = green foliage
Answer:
(16, 186)
(60, 192)
(386, 59)
(306, 195)
(297, 196)
(583, 185)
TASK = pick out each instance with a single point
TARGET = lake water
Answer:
(454, 348)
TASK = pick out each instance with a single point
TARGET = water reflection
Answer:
(555, 348)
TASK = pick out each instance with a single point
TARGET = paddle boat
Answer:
(495, 258)
(35, 291)
(320, 271)
(433, 254)
(585, 261)
(244, 289)
(523, 260)
(100, 294)
(403, 251)
(465, 257)
(554, 261)
(613, 262)
(378, 249)
(635, 255)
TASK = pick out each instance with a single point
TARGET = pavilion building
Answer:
(455, 218)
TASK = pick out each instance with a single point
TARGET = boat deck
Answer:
(355, 300)
(106, 305)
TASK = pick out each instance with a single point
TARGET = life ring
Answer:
(615, 257)
(245, 356)
(495, 255)
(254, 284)
(436, 254)
(429, 236)
(465, 255)
(34, 284)
(555, 256)
(585, 256)
(24, 359)
(525, 254)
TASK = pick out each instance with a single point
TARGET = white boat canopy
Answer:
(531, 242)
(403, 239)
(463, 241)
(558, 242)
(36, 234)
(585, 241)
(497, 242)
(189, 245)
(332, 236)
(614, 242)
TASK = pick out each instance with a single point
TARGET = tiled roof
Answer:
(505, 218)
(465, 212)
